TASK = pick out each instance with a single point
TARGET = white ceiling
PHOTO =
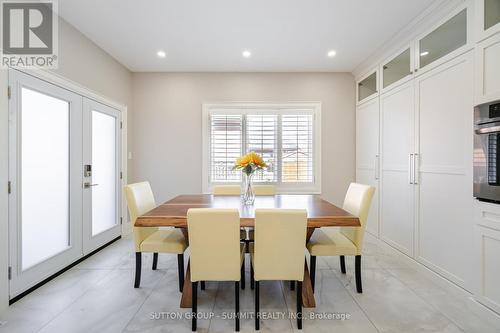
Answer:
(210, 35)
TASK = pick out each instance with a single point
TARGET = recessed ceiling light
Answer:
(247, 54)
(161, 54)
(331, 53)
(423, 54)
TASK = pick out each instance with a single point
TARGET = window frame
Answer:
(313, 108)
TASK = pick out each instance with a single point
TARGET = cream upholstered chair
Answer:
(228, 190)
(259, 190)
(278, 251)
(264, 189)
(347, 241)
(216, 251)
(140, 200)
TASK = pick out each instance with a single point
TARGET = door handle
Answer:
(415, 168)
(87, 185)
(410, 169)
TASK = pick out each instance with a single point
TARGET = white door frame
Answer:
(74, 87)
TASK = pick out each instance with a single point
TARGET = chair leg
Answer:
(202, 283)
(242, 274)
(252, 281)
(313, 271)
(292, 285)
(180, 268)
(257, 306)
(237, 306)
(155, 261)
(138, 264)
(357, 268)
(342, 264)
(194, 306)
(299, 305)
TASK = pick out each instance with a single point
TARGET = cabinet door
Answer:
(397, 190)
(444, 98)
(487, 18)
(367, 88)
(488, 70)
(367, 152)
(487, 251)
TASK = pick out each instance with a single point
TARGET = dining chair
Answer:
(259, 190)
(140, 200)
(278, 251)
(216, 252)
(228, 190)
(346, 241)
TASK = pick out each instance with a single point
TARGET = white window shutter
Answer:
(297, 149)
(261, 137)
(225, 147)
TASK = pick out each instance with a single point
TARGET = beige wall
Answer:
(166, 123)
(82, 62)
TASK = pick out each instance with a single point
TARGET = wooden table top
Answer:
(320, 213)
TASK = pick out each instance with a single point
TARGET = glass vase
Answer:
(248, 196)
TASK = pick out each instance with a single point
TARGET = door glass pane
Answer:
(44, 176)
(367, 87)
(103, 172)
(491, 13)
(446, 38)
(397, 68)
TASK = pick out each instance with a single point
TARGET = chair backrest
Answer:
(227, 190)
(140, 200)
(214, 240)
(264, 189)
(280, 239)
(357, 202)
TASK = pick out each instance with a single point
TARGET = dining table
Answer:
(320, 213)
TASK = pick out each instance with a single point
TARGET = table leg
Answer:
(187, 290)
(307, 292)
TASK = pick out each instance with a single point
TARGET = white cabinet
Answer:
(488, 70)
(487, 18)
(444, 98)
(367, 154)
(397, 153)
(367, 87)
(486, 253)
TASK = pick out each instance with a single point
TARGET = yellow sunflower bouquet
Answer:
(250, 163)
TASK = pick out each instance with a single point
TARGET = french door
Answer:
(101, 174)
(54, 217)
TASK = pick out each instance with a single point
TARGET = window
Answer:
(287, 137)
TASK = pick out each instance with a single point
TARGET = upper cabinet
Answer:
(450, 36)
(488, 18)
(367, 87)
(397, 69)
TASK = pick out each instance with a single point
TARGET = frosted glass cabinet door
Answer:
(103, 172)
(396, 69)
(491, 13)
(367, 87)
(44, 176)
(445, 39)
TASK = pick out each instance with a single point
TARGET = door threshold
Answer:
(53, 276)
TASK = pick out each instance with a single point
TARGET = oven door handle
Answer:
(488, 130)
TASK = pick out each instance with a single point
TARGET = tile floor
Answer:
(98, 296)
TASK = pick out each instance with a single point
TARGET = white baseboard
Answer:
(476, 307)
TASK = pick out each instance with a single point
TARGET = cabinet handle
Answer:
(415, 168)
(377, 166)
(410, 169)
